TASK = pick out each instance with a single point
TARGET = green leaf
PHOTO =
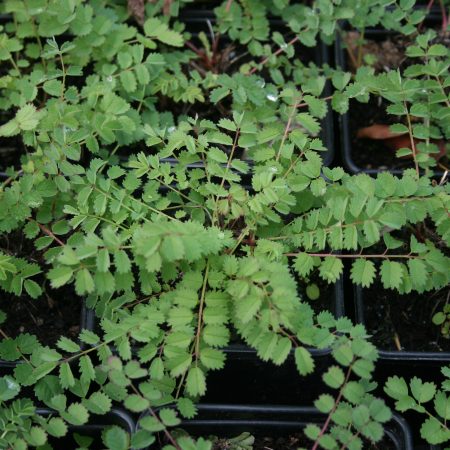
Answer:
(196, 382)
(59, 276)
(32, 288)
(187, 408)
(103, 261)
(172, 248)
(304, 263)
(307, 121)
(217, 155)
(88, 337)
(169, 417)
(9, 388)
(396, 387)
(324, 403)
(76, 414)
(418, 273)
(353, 392)
(303, 361)
(98, 403)
(10, 128)
(156, 29)
(212, 358)
(65, 375)
(442, 405)
(216, 335)
(363, 272)
(422, 392)
(68, 345)
(84, 283)
(434, 432)
(136, 403)
(115, 438)
(28, 117)
(331, 269)
(334, 377)
(391, 274)
(53, 87)
(56, 427)
(246, 308)
(36, 436)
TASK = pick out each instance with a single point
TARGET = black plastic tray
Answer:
(224, 420)
(96, 424)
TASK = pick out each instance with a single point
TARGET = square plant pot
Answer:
(367, 155)
(396, 360)
(277, 424)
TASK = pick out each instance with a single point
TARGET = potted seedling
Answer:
(188, 207)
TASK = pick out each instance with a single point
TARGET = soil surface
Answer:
(370, 153)
(11, 150)
(325, 302)
(54, 314)
(403, 322)
(291, 441)
(294, 441)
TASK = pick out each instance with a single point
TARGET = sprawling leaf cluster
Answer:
(184, 198)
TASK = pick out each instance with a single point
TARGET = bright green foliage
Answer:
(425, 398)
(183, 195)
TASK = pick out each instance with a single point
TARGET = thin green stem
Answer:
(411, 139)
(373, 256)
(200, 313)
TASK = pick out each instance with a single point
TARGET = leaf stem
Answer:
(411, 139)
(45, 230)
(280, 50)
(336, 404)
(200, 313)
(380, 255)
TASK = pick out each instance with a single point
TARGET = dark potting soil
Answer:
(294, 441)
(404, 320)
(372, 153)
(326, 298)
(56, 313)
(290, 441)
(11, 150)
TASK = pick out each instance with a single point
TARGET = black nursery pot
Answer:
(87, 322)
(227, 421)
(404, 362)
(95, 427)
(347, 135)
(246, 378)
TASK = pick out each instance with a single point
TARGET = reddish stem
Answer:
(380, 255)
(49, 233)
(336, 403)
(280, 50)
